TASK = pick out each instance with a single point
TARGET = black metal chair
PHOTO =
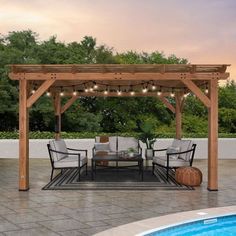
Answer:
(168, 162)
(61, 159)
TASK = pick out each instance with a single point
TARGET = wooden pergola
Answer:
(161, 81)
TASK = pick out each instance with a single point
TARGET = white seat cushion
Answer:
(162, 160)
(60, 146)
(70, 161)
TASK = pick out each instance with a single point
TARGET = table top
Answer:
(117, 157)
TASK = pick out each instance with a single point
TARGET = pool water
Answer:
(220, 226)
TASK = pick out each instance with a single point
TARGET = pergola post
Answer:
(178, 116)
(23, 137)
(213, 136)
(57, 107)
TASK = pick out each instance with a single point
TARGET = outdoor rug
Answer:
(112, 179)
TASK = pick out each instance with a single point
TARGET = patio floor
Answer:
(39, 212)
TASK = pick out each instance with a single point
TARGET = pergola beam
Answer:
(197, 91)
(167, 103)
(39, 92)
(118, 76)
(69, 103)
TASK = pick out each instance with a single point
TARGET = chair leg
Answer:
(167, 173)
(51, 174)
(79, 173)
(153, 167)
(86, 168)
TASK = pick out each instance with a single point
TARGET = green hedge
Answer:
(75, 135)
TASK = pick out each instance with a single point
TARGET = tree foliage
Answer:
(99, 114)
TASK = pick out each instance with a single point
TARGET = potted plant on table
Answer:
(148, 136)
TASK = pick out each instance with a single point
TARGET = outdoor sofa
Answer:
(115, 144)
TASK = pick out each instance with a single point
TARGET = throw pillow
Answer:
(173, 150)
(102, 146)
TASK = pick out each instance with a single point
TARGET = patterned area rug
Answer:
(115, 179)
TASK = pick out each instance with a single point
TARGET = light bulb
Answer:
(132, 93)
(48, 94)
(206, 90)
(91, 89)
(61, 94)
(185, 95)
(119, 92)
(86, 90)
(172, 94)
(159, 93)
(33, 91)
(74, 93)
(105, 92)
(144, 90)
(153, 87)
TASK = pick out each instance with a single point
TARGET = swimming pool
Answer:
(225, 225)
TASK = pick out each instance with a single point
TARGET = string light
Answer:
(145, 89)
(85, 88)
(61, 93)
(48, 93)
(153, 86)
(172, 93)
(95, 86)
(74, 92)
(106, 91)
(119, 91)
(159, 92)
(131, 91)
(33, 90)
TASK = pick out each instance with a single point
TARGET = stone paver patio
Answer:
(39, 212)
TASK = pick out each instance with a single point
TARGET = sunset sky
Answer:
(201, 31)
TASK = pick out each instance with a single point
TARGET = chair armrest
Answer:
(176, 153)
(159, 150)
(79, 150)
(66, 153)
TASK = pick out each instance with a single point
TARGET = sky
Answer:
(203, 31)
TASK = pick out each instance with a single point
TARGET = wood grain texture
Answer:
(23, 137)
(213, 137)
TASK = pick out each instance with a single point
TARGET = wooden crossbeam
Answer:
(167, 103)
(118, 77)
(39, 92)
(69, 103)
(197, 91)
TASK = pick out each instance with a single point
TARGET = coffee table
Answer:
(118, 158)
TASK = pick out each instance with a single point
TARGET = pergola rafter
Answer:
(116, 80)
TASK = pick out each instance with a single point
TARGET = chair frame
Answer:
(64, 168)
(193, 148)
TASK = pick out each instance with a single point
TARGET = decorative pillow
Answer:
(173, 150)
(102, 146)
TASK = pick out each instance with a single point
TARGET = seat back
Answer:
(124, 143)
(59, 146)
(184, 146)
